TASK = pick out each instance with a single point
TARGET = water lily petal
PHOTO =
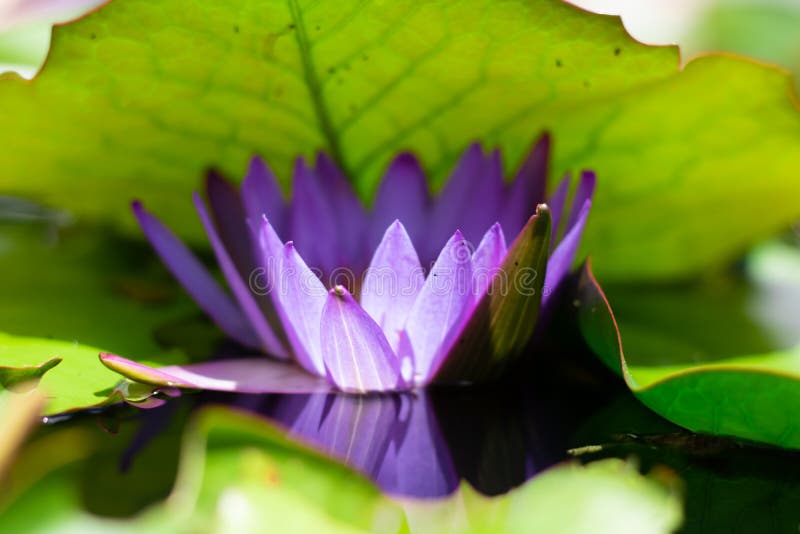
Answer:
(351, 217)
(312, 221)
(243, 375)
(392, 282)
(487, 259)
(300, 297)
(528, 187)
(403, 195)
(270, 342)
(560, 263)
(441, 305)
(501, 324)
(556, 202)
(355, 350)
(583, 192)
(195, 279)
(262, 195)
(457, 193)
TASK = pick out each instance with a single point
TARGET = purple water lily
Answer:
(463, 318)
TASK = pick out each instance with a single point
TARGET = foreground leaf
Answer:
(722, 357)
(152, 105)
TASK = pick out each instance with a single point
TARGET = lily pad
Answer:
(63, 293)
(720, 356)
(123, 110)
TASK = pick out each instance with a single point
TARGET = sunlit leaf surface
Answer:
(129, 106)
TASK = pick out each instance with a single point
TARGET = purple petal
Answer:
(351, 217)
(556, 203)
(487, 259)
(453, 201)
(262, 195)
(195, 279)
(560, 262)
(584, 192)
(392, 282)
(441, 306)
(300, 297)
(355, 350)
(245, 375)
(270, 342)
(312, 221)
(402, 195)
(528, 188)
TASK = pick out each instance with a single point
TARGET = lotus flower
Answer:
(463, 319)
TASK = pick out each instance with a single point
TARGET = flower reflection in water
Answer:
(417, 445)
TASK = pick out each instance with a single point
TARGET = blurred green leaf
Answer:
(139, 109)
(721, 356)
(755, 28)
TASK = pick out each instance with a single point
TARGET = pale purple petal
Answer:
(392, 282)
(355, 350)
(270, 342)
(560, 262)
(262, 195)
(487, 259)
(244, 375)
(441, 305)
(556, 202)
(403, 195)
(312, 221)
(528, 188)
(195, 279)
(300, 297)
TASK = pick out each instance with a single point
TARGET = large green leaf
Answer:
(139, 97)
(721, 356)
(238, 473)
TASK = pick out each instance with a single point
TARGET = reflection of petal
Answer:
(394, 439)
(354, 429)
(421, 465)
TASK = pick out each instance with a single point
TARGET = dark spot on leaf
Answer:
(291, 26)
(317, 28)
(516, 264)
(331, 70)
(93, 37)
(236, 29)
(558, 63)
(617, 51)
(339, 81)
(365, 57)
(586, 83)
